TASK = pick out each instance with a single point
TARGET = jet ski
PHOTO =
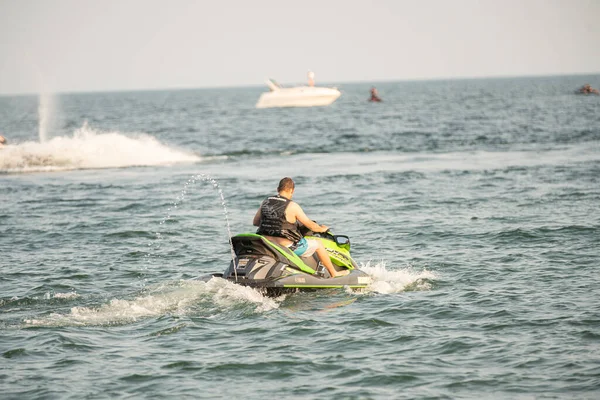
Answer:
(587, 89)
(374, 96)
(262, 264)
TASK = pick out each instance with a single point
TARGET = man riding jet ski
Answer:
(278, 219)
(285, 255)
(374, 95)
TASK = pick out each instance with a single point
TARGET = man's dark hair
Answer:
(285, 184)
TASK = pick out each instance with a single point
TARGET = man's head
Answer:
(286, 185)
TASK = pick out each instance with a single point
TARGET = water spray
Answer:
(44, 113)
(181, 198)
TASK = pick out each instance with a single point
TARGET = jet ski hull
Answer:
(356, 280)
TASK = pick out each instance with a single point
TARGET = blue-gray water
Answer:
(474, 204)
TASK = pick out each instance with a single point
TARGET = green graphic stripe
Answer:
(325, 286)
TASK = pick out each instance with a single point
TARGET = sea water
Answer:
(473, 204)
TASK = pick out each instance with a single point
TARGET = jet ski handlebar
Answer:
(340, 240)
(305, 231)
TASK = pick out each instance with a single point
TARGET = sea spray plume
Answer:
(45, 109)
(156, 244)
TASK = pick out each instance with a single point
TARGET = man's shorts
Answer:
(306, 248)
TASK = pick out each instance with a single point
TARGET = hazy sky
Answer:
(99, 45)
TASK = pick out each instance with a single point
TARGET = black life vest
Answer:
(273, 221)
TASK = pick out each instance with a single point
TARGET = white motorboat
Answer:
(300, 96)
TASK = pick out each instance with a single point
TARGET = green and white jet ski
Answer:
(263, 264)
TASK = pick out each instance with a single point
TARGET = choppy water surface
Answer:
(473, 204)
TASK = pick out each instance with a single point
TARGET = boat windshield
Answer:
(274, 82)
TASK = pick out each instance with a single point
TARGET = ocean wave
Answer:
(91, 149)
(16, 301)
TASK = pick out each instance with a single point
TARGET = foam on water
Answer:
(69, 295)
(182, 298)
(91, 149)
(393, 281)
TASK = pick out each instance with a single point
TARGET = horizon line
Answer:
(176, 88)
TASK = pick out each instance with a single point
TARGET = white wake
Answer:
(183, 298)
(91, 149)
(394, 281)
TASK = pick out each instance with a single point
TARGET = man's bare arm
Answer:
(310, 224)
(256, 221)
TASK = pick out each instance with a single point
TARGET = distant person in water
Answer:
(588, 89)
(278, 219)
(374, 95)
(311, 78)
(2, 141)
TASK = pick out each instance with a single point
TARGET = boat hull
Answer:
(298, 97)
